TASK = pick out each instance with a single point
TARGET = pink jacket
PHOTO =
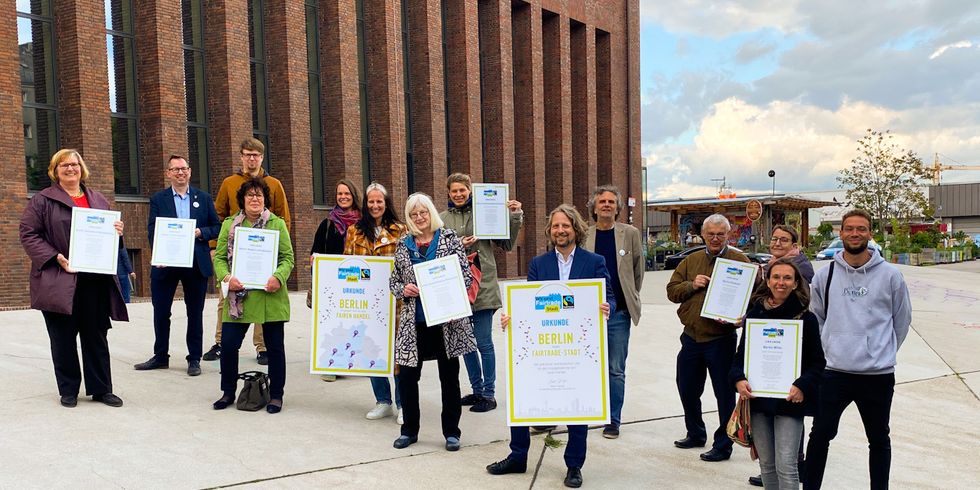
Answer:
(45, 228)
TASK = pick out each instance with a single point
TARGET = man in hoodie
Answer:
(862, 304)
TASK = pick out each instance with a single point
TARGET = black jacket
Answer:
(811, 368)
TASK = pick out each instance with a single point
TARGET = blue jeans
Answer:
(618, 334)
(382, 390)
(777, 440)
(481, 366)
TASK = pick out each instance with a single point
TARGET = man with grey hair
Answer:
(620, 245)
(705, 344)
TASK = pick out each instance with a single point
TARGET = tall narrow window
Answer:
(38, 86)
(407, 69)
(195, 93)
(362, 86)
(445, 85)
(260, 88)
(313, 76)
(121, 50)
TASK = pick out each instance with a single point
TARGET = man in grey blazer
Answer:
(620, 244)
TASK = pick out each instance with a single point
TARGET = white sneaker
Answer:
(380, 411)
(401, 417)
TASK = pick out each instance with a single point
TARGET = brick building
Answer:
(541, 94)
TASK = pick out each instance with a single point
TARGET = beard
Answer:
(856, 250)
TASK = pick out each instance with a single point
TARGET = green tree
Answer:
(826, 231)
(885, 179)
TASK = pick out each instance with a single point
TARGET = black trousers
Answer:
(163, 286)
(90, 323)
(693, 361)
(872, 393)
(231, 340)
(431, 342)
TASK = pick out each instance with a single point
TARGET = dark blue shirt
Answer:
(605, 245)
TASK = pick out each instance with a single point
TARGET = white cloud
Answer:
(721, 18)
(942, 49)
(805, 144)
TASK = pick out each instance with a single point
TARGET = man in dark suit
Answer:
(185, 202)
(566, 231)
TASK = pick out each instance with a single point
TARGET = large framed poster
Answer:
(557, 368)
(353, 316)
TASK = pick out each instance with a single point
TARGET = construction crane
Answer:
(937, 169)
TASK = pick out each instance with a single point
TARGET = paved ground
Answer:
(167, 435)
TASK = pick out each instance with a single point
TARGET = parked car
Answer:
(837, 245)
(672, 260)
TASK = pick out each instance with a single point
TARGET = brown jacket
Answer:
(226, 203)
(680, 289)
(629, 264)
(358, 244)
(45, 228)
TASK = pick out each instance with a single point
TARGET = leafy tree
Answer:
(885, 179)
(825, 231)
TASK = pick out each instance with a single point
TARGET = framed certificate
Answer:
(93, 245)
(353, 316)
(491, 218)
(773, 355)
(557, 367)
(728, 292)
(173, 242)
(442, 290)
(256, 256)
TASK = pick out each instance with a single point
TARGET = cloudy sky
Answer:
(734, 88)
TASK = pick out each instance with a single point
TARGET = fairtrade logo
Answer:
(554, 302)
(489, 192)
(353, 274)
(95, 219)
(733, 271)
(175, 226)
(256, 238)
(437, 269)
(772, 332)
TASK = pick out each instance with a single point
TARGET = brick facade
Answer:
(541, 94)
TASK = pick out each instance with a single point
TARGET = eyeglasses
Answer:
(716, 236)
(781, 239)
(419, 214)
(252, 195)
(178, 170)
(70, 165)
(251, 156)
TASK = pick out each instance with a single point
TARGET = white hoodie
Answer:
(868, 315)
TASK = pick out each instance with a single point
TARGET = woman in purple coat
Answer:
(74, 304)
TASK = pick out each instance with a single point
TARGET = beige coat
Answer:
(630, 263)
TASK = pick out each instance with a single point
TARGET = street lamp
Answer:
(772, 175)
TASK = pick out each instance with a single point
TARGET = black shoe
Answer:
(573, 479)
(69, 401)
(688, 443)
(108, 399)
(540, 429)
(213, 354)
(484, 405)
(153, 363)
(506, 466)
(470, 399)
(755, 481)
(715, 455)
(223, 402)
(274, 406)
(404, 441)
(193, 368)
(610, 432)
(262, 358)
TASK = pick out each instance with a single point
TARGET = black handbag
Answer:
(255, 393)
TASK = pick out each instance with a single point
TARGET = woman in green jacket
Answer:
(268, 306)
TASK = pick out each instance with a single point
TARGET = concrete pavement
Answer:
(167, 435)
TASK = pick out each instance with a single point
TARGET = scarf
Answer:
(343, 218)
(465, 205)
(236, 299)
(413, 248)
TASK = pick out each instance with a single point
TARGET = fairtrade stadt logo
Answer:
(256, 238)
(489, 192)
(773, 332)
(557, 298)
(353, 274)
(95, 219)
(733, 271)
(175, 226)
